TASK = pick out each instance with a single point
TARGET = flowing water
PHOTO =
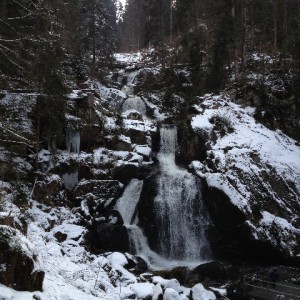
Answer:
(180, 214)
(134, 103)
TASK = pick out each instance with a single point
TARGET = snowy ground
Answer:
(71, 272)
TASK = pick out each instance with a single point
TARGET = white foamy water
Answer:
(180, 212)
(135, 103)
(127, 204)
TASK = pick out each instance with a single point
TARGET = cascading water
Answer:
(127, 207)
(179, 212)
(135, 103)
(127, 204)
(178, 206)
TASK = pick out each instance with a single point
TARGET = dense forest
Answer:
(47, 46)
(215, 38)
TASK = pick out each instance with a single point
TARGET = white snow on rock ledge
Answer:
(128, 57)
(248, 138)
(252, 165)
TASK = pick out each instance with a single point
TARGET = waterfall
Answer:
(127, 207)
(129, 88)
(180, 213)
(127, 204)
(178, 206)
(73, 141)
(135, 103)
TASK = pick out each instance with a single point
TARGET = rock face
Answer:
(110, 237)
(17, 267)
(191, 146)
(46, 188)
(252, 183)
(102, 191)
(146, 211)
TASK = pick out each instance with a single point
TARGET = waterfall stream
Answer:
(179, 208)
(127, 204)
(127, 207)
(180, 214)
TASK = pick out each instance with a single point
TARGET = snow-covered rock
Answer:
(200, 293)
(257, 169)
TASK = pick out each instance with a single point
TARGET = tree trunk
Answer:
(275, 19)
(37, 143)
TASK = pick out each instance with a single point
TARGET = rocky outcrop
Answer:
(46, 188)
(146, 211)
(251, 183)
(109, 237)
(102, 191)
(191, 146)
(16, 264)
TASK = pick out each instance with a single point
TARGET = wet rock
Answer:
(200, 293)
(137, 137)
(190, 146)
(136, 264)
(104, 191)
(146, 211)
(121, 145)
(110, 237)
(125, 173)
(214, 270)
(179, 273)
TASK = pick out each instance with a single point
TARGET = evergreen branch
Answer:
(19, 18)
(5, 23)
(12, 62)
(21, 5)
(25, 140)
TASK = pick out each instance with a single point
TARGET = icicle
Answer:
(73, 141)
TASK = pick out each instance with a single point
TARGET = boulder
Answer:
(46, 188)
(125, 173)
(109, 237)
(213, 270)
(104, 191)
(200, 293)
(190, 146)
(17, 267)
(179, 273)
(136, 264)
(171, 294)
(61, 237)
(137, 136)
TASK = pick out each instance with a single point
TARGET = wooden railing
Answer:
(258, 285)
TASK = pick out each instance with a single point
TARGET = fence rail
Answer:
(258, 286)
